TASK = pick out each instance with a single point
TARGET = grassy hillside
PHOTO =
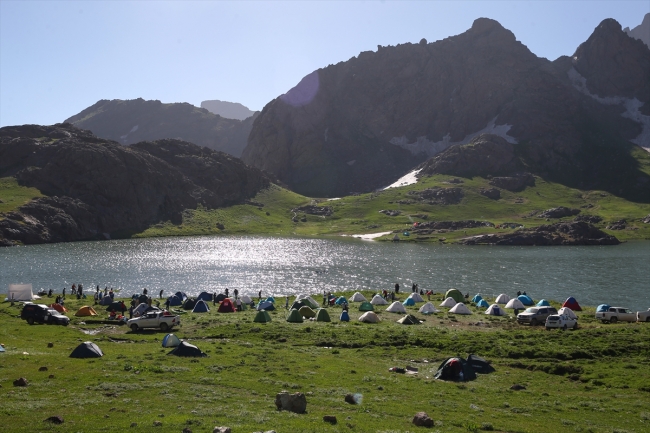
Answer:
(12, 195)
(594, 379)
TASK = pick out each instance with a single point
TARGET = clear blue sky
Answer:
(59, 57)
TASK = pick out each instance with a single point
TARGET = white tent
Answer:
(495, 310)
(20, 292)
(246, 299)
(416, 297)
(396, 307)
(502, 299)
(300, 297)
(312, 301)
(515, 303)
(460, 308)
(449, 302)
(358, 297)
(568, 311)
(428, 308)
(369, 317)
(170, 340)
(378, 300)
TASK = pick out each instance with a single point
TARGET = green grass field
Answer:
(12, 195)
(594, 379)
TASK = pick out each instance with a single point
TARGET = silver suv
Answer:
(535, 315)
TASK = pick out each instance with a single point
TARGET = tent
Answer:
(345, 317)
(294, 316)
(265, 306)
(358, 297)
(85, 311)
(369, 317)
(310, 302)
(181, 295)
(187, 349)
(220, 297)
(416, 297)
(396, 307)
(515, 303)
(58, 307)
(140, 309)
(408, 302)
(602, 308)
(378, 300)
(456, 294)
(568, 311)
(87, 349)
(543, 303)
(322, 315)
(262, 316)
(307, 312)
(460, 308)
(480, 365)
(270, 299)
(205, 296)
(482, 303)
(477, 298)
(246, 299)
(366, 306)
(106, 300)
(201, 307)
(226, 306)
(174, 301)
(502, 299)
(341, 300)
(301, 296)
(297, 305)
(170, 340)
(189, 304)
(526, 300)
(428, 308)
(448, 302)
(456, 369)
(495, 310)
(20, 292)
(2, 349)
(409, 319)
(115, 305)
(572, 303)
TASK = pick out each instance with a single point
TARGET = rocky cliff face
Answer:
(132, 121)
(642, 31)
(97, 187)
(360, 124)
(229, 110)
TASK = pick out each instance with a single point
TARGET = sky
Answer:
(60, 57)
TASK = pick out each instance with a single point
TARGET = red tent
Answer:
(226, 306)
(60, 308)
(572, 304)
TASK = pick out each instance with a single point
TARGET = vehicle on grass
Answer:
(561, 321)
(535, 315)
(163, 320)
(38, 313)
(616, 314)
(643, 316)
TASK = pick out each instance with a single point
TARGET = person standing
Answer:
(286, 303)
(161, 293)
(259, 295)
(64, 292)
(227, 291)
(396, 288)
(236, 292)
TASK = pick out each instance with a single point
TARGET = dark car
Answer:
(535, 315)
(37, 313)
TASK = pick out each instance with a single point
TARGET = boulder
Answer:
(330, 419)
(591, 219)
(493, 193)
(296, 402)
(54, 419)
(617, 225)
(515, 182)
(221, 430)
(42, 369)
(646, 220)
(438, 195)
(558, 212)
(349, 398)
(21, 382)
(517, 387)
(421, 419)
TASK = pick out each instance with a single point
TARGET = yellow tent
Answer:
(86, 311)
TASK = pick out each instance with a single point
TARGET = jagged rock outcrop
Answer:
(98, 188)
(558, 212)
(438, 195)
(132, 121)
(642, 31)
(569, 233)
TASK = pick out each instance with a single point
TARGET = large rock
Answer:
(421, 419)
(558, 212)
(296, 402)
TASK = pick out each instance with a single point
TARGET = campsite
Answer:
(593, 379)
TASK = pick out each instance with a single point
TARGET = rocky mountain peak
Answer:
(642, 31)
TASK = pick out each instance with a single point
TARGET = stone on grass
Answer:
(54, 419)
(517, 387)
(50, 344)
(330, 419)
(157, 424)
(134, 424)
(42, 369)
(221, 430)
(292, 402)
(20, 382)
(349, 398)
(421, 419)
(187, 430)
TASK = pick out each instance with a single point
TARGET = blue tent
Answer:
(2, 349)
(482, 303)
(341, 300)
(345, 317)
(170, 340)
(543, 303)
(409, 302)
(175, 301)
(205, 296)
(477, 298)
(526, 300)
(270, 299)
(602, 308)
(265, 305)
(201, 307)
(181, 295)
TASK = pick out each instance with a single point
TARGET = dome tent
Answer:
(358, 297)
(572, 304)
(205, 296)
(270, 299)
(297, 305)
(515, 303)
(428, 308)
(85, 311)
(345, 317)
(482, 304)
(448, 302)
(188, 350)
(262, 316)
(189, 304)
(456, 294)
(322, 315)
(378, 300)
(170, 340)
(174, 301)
(264, 305)
(543, 303)
(568, 311)
(366, 306)
(409, 319)
(396, 307)
(408, 302)
(341, 300)
(526, 300)
(502, 299)
(294, 316)
(310, 302)
(602, 308)
(416, 297)
(307, 312)
(369, 317)
(246, 299)
(201, 307)
(87, 349)
(495, 310)
(460, 308)
(477, 298)
(58, 307)
(226, 306)
(181, 295)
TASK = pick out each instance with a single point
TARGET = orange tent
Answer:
(60, 308)
(85, 311)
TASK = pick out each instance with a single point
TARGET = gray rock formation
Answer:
(229, 110)
(642, 31)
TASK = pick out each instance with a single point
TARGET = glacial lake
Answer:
(618, 275)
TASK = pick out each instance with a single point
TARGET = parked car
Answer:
(535, 315)
(643, 316)
(562, 321)
(616, 314)
(38, 313)
(162, 320)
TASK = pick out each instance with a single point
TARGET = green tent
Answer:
(366, 306)
(307, 312)
(409, 319)
(322, 315)
(309, 302)
(294, 316)
(297, 305)
(455, 294)
(262, 316)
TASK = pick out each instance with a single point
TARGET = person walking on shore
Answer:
(161, 293)
(259, 295)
